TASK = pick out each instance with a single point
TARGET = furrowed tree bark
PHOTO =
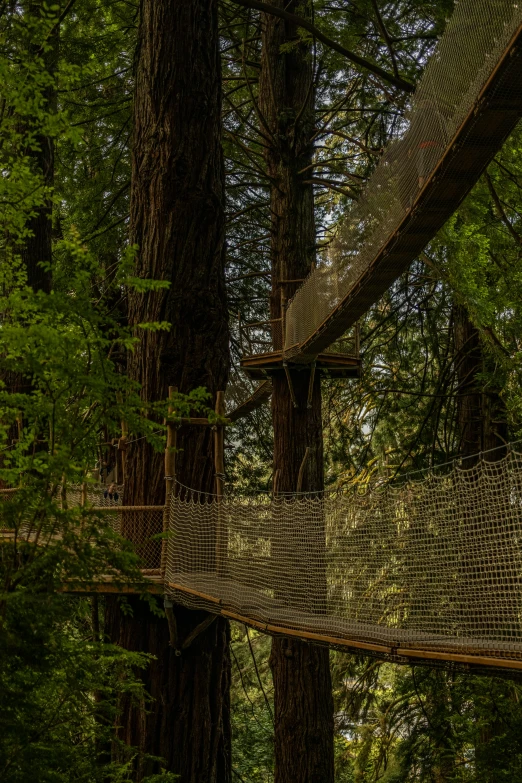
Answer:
(302, 685)
(177, 221)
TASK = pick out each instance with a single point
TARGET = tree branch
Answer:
(384, 33)
(500, 209)
(266, 8)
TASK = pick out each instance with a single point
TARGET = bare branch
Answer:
(299, 21)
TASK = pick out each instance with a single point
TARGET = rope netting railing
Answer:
(477, 36)
(99, 495)
(429, 569)
(142, 525)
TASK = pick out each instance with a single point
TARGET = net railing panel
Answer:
(261, 337)
(476, 36)
(100, 495)
(142, 525)
(144, 528)
(431, 565)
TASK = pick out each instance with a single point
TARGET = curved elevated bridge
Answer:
(429, 571)
(465, 106)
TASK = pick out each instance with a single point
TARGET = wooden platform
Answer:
(335, 365)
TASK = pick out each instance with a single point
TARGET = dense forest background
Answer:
(441, 370)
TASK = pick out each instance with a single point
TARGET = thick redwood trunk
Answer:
(177, 221)
(186, 721)
(302, 686)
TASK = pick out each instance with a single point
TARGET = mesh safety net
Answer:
(477, 36)
(434, 564)
(142, 525)
(100, 495)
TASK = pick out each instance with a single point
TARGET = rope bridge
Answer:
(431, 569)
(466, 104)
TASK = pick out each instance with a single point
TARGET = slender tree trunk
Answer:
(302, 686)
(482, 426)
(481, 413)
(177, 221)
(37, 247)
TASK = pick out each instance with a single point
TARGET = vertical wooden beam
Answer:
(240, 327)
(302, 470)
(63, 493)
(122, 447)
(275, 482)
(290, 384)
(170, 474)
(284, 302)
(311, 385)
(219, 464)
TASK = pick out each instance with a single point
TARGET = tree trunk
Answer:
(37, 247)
(481, 413)
(177, 222)
(302, 686)
(482, 427)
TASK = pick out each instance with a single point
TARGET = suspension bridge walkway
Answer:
(429, 571)
(466, 104)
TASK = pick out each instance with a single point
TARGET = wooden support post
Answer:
(219, 463)
(311, 384)
(83, 500)
(302, 469)
(290, 385)
(284, 302)
(170, 474)
(240, 326)
(275, 483)
(122, 447)
(63, 493)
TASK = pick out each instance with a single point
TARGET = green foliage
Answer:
(63, 388)
(252, 709)
(62, 392)
(406, 724)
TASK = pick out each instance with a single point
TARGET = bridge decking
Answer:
(207, 591)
